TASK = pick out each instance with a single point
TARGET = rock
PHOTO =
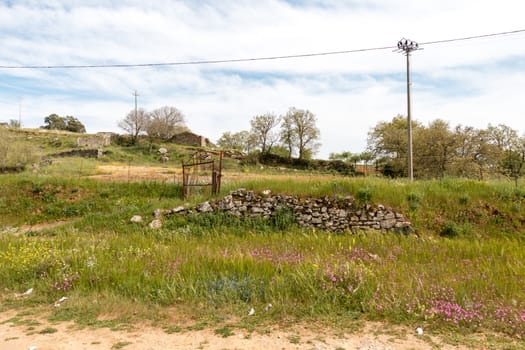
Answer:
(257, 210)
(155, 224)
(177, 209)
(388, 224)
(136, 218)
(204, 207)
(330, 212)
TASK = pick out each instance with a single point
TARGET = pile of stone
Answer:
(330, 213)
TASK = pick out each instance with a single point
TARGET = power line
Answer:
(473, 37)
(253, 59)
(200, 62)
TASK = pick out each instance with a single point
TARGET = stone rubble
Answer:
(329, 213)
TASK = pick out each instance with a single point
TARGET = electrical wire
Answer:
(253, 59)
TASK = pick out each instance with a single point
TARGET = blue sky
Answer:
(470, 83)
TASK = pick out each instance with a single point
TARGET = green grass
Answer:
(214, 268)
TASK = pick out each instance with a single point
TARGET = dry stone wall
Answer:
(330, 213)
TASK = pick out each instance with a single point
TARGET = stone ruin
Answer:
(329, 213)
(99, 140)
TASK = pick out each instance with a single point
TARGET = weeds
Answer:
(221, 265)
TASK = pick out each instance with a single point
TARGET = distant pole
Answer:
(136, 95)
(20, 114)
(408, 46)
(136, 114)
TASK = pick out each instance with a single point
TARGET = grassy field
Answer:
(463, 272)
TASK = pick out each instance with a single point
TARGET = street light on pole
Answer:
(407, 46)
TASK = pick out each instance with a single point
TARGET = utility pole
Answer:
(407, 46)
(136, 114)
(136, 95)
(20, 114)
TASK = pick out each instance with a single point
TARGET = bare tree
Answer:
(165, 122)
(135, 123)
(261, 130)
(287, 136)
(300, 125)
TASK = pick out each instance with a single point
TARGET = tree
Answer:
(241, 141)
(165, 122)
(511, 150)
(366, 157)
(135, 123)
(74, 125)
(54, 122)
(435, 149)
(261, 129)
(388, 142)
(67, 123)
(287, 136)
(13, 123)
(474, 153)
(299, 127)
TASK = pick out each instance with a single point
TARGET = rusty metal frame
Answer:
(191, 170)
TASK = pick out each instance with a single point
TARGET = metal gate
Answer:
(202, 173)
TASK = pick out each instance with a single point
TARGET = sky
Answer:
(471, 83)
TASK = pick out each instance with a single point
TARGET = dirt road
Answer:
(42, 335)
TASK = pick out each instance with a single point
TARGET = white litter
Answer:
(268, 307)
(419, 331)
(32, 348)
(27, 292)
(252, 312)
(60, 301)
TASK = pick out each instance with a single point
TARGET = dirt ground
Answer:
(174, 174)
(62, 336)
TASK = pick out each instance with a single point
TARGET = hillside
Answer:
(66, 231)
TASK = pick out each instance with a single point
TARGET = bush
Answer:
(414, 200)
(337, 166)
(451, 229)
(364, 194)
(15, 154)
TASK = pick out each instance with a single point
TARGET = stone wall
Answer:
(330, 213)
(188, 138)
(97, 141)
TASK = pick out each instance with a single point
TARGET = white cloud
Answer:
(471, 82)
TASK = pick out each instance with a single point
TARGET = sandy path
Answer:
(69, 337)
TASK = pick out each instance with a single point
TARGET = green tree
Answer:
(13, 123)
(241, 141)
(387, 141)
(475, 155)
(435, 149)
(299, 129)
(510, 150)
(74, 125)
(54, 122)
(262, 131)
(67, 123)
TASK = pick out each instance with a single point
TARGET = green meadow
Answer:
(462, 272)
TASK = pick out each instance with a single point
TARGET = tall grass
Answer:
(447, 283)
(219, 264)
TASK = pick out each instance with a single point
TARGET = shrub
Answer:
(450, 229)
(15, 155)
(414, 200)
